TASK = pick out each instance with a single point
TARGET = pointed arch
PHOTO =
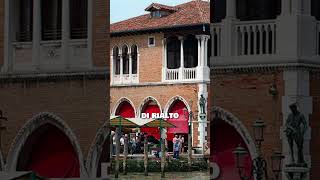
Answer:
(34, 124)
(229, 118)
(150, 105)
(99, 145)
(145, 102)
(173, 100)
(121, 101)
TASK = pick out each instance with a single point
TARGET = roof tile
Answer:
(190, 13)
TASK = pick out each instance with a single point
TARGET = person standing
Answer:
(181, 139)
(113, 139)
(176, 147)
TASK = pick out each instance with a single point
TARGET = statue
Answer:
(296, 127)
(202, 103)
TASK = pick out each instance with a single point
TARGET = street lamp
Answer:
(2, 128)
(259, 164)
(258, 132)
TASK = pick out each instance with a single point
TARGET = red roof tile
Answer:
(191, 13)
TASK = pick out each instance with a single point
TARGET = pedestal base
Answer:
(296, 172)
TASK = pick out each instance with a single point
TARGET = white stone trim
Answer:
(154, 41)
(173, 100)
(32, 125)
(238, 125)
(121, 100)
(96, 150)
(145, 101)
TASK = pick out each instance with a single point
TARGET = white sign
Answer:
(160, 115)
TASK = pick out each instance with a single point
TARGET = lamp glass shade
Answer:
(276, 163)
(258, 130)
(240, 155)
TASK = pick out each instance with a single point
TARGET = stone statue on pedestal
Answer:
(296, 127)
(202, 103)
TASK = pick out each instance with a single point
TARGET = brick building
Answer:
(265, 56)
(159, 64)
(54, 84)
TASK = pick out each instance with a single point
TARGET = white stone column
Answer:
(199, 50)
(297, 90)
(203, 71)
(89, 33)
(36, 35)
(8, 48)
(181, 58)
(231, 9)
(203, 90)
(206, 50)
(112, 67)
(285, 7)
(164, 59)
(121, 66)
(65, 32)
(202, 51)
(130, 64)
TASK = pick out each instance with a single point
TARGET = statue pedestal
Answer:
(296, 172)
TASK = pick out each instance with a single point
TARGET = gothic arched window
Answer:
(125, 59)
(134, 58)
(116, 60)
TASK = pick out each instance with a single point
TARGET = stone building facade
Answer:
(159, 64)
(254, 52)
(54, 87)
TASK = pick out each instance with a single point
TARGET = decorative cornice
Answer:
(96, 74)
(171, 83)
(262, 68)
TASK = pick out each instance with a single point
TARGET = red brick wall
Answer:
(246, 96)
(163, 93)
(315, 125)
(81, 104)
(101, 35)
(150, 62)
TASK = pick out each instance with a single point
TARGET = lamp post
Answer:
(259, 164)
(2, 128)
(189, 115)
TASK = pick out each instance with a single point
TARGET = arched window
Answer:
(116, 60)
(125, 59)
(173, 53)
(24, 25)
(190, 51)
(49, 152)
(125, 110)
(150, 107)
(134, 58)
(315, 9)
(78, 19)
(51, 19)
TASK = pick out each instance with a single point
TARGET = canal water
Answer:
(168, 175)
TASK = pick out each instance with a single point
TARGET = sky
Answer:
(125, 9)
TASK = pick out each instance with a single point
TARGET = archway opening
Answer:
(49, 152)
(125, 110)
(104, 157)
(151, 107)
(225, 139)
(181, 123)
